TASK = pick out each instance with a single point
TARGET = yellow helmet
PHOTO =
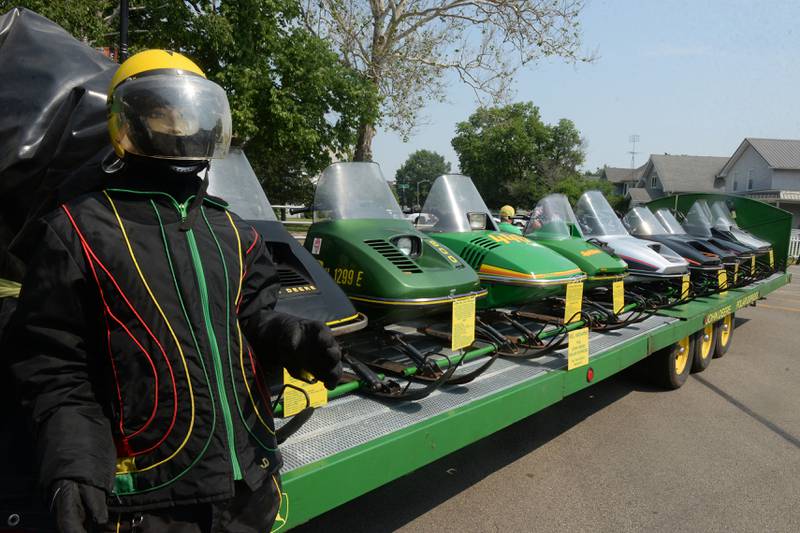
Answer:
(507, 211)
(160, 104)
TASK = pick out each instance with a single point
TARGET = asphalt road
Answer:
(720, 454)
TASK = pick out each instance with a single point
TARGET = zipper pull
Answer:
(184, 216)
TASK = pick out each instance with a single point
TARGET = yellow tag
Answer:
(752, 265)
(578, 348)
(294, 401)
(736, 273)
(771, 259)
(722, 281)
(572, 307)
(618, 289)
(685, 287)
(463, 323)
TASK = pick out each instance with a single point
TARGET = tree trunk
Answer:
(366, 132)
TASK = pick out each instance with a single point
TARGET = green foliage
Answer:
(407, 48)
(574, 186)
(513, 156)
(421, 167)
(294, 105)
(84, 19)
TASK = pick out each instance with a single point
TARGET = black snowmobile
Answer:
(737, 259)
(704, 265)
(698, 221)
(306, 289)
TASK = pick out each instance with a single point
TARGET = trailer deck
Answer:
(356, 444)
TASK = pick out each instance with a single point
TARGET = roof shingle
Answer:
(781, 154)
(687, 173)
(639, 195)
(618, 175)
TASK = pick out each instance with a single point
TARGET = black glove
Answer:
(307, 346)
(77, 505)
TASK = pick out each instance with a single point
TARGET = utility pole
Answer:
(123, 30)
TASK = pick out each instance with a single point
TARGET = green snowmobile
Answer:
(391, 271)
(553, 224)
(514, 270)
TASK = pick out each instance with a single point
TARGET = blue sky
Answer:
(690, 77)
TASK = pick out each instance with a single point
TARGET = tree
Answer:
(421, 167)
(513, 156)
(294, 105)
(405, 47)
(574, 186)
(87, 20)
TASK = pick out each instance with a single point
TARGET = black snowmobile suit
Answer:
(140, 346)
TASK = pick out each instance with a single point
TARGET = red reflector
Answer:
(590, 374)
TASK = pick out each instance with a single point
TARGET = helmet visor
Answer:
(171, 117)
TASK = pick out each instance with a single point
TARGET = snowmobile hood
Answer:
(306, 289)
(646, 257)
(387, 268)
(368, 260)
(692, 250)
(595, 262)
(504, 259)
(642, 223)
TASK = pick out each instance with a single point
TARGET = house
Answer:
(664, 175)
(622, 178)
(766, 170)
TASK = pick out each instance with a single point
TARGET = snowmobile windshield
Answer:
(725, 221)
(552, 218)
(669, 222)
(698, 222)
(722, 217)
(233, 180)
(640, 221)
(596, 217)
(455, 205)
(352, 191)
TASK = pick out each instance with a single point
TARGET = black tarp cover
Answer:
(52, 122)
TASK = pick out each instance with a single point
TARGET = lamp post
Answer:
(403, 187)
(419, 205)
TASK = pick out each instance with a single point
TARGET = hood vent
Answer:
(475, 251)
(482, 241)
(473, 255)
(395, 256)
(291, 278)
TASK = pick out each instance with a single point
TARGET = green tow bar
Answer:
(353, 386)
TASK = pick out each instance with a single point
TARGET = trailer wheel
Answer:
(673, 363)
(705, 341)
(724, 335)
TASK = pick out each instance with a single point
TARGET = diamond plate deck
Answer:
(353, 420)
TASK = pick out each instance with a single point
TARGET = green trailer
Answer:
(354, 444)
